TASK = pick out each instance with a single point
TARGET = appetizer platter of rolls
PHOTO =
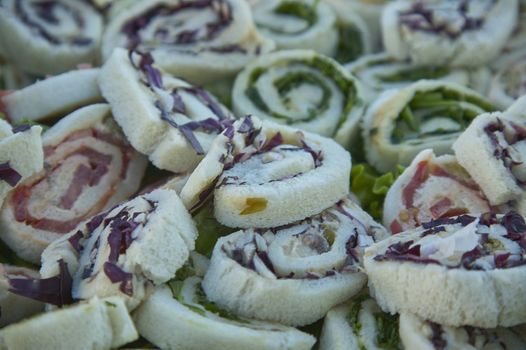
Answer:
(263, 174)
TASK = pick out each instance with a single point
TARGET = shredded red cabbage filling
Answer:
(436, 336)
(512, 133)
(515, 231)
(207, 32)
(54, 290)
(46, 11)
(421, 18)
(9, 175)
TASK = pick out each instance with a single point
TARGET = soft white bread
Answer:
(299, 105)
(96, 324)
(37, 46)
(14, 307)
(492, 150)
(290, 301)
(434, 131)
(89, 168)
(482, 296)
(418, 334)
(271, 275)
(300, 176)
(358, 324)
(152, 117)
(54, 97)
(177, 322)
(122, 252)
(445, 37)
(430, 188)
(292, 32)
(21, 152)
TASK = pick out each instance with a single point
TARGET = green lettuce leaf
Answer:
(370, 187)
(209, 229)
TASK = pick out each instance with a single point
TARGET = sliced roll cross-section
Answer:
(162, 116)
(21, 155)
(111, 254)
(181, 317)
(419, 334)
(475, 265)
(298, 24)
(96, 324)
(493, 151)
(426, 114)
(509, 81)
(360, 324)
(456, 33)
(295, 273)
(304, 89)
(201, 41)
(263, 174)
(431, 188)
(88, 167)
(49, 37)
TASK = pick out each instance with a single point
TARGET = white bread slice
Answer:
(290, 32)
(482, 296)
(444, 37)
(487, 145)
(159, 234)
(430, 188)
(85, 143)
(178, 322)
(380, 121)
(268, 188)
(22, 152)
(418, 334)
(41, 47)
(339, 119)
(14, 307)
(150, 116)
(272, 275)
(358, 324)
(54, 97)
(96, 324)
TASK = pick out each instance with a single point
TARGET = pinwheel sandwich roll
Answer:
(293, 274)
(359, 324)
(426, 114)
(419, 334)
(126, 251)
(95, 324)
(298, 24)
(475, 265)
(263, 174)
(162, 116)
(180, 317)
(14, 307)
(379, 72)
(455, 33)
(366, 11)
(49, 37)
(303, 89)
(21, 155)
(509, 82)
(88, 167)
(493, 150)
(431, 188)
(53, 97)
(199, 41)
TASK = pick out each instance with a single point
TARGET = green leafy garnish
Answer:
(209, 229)
(350, 44)
(388, 336)
(371, 187)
